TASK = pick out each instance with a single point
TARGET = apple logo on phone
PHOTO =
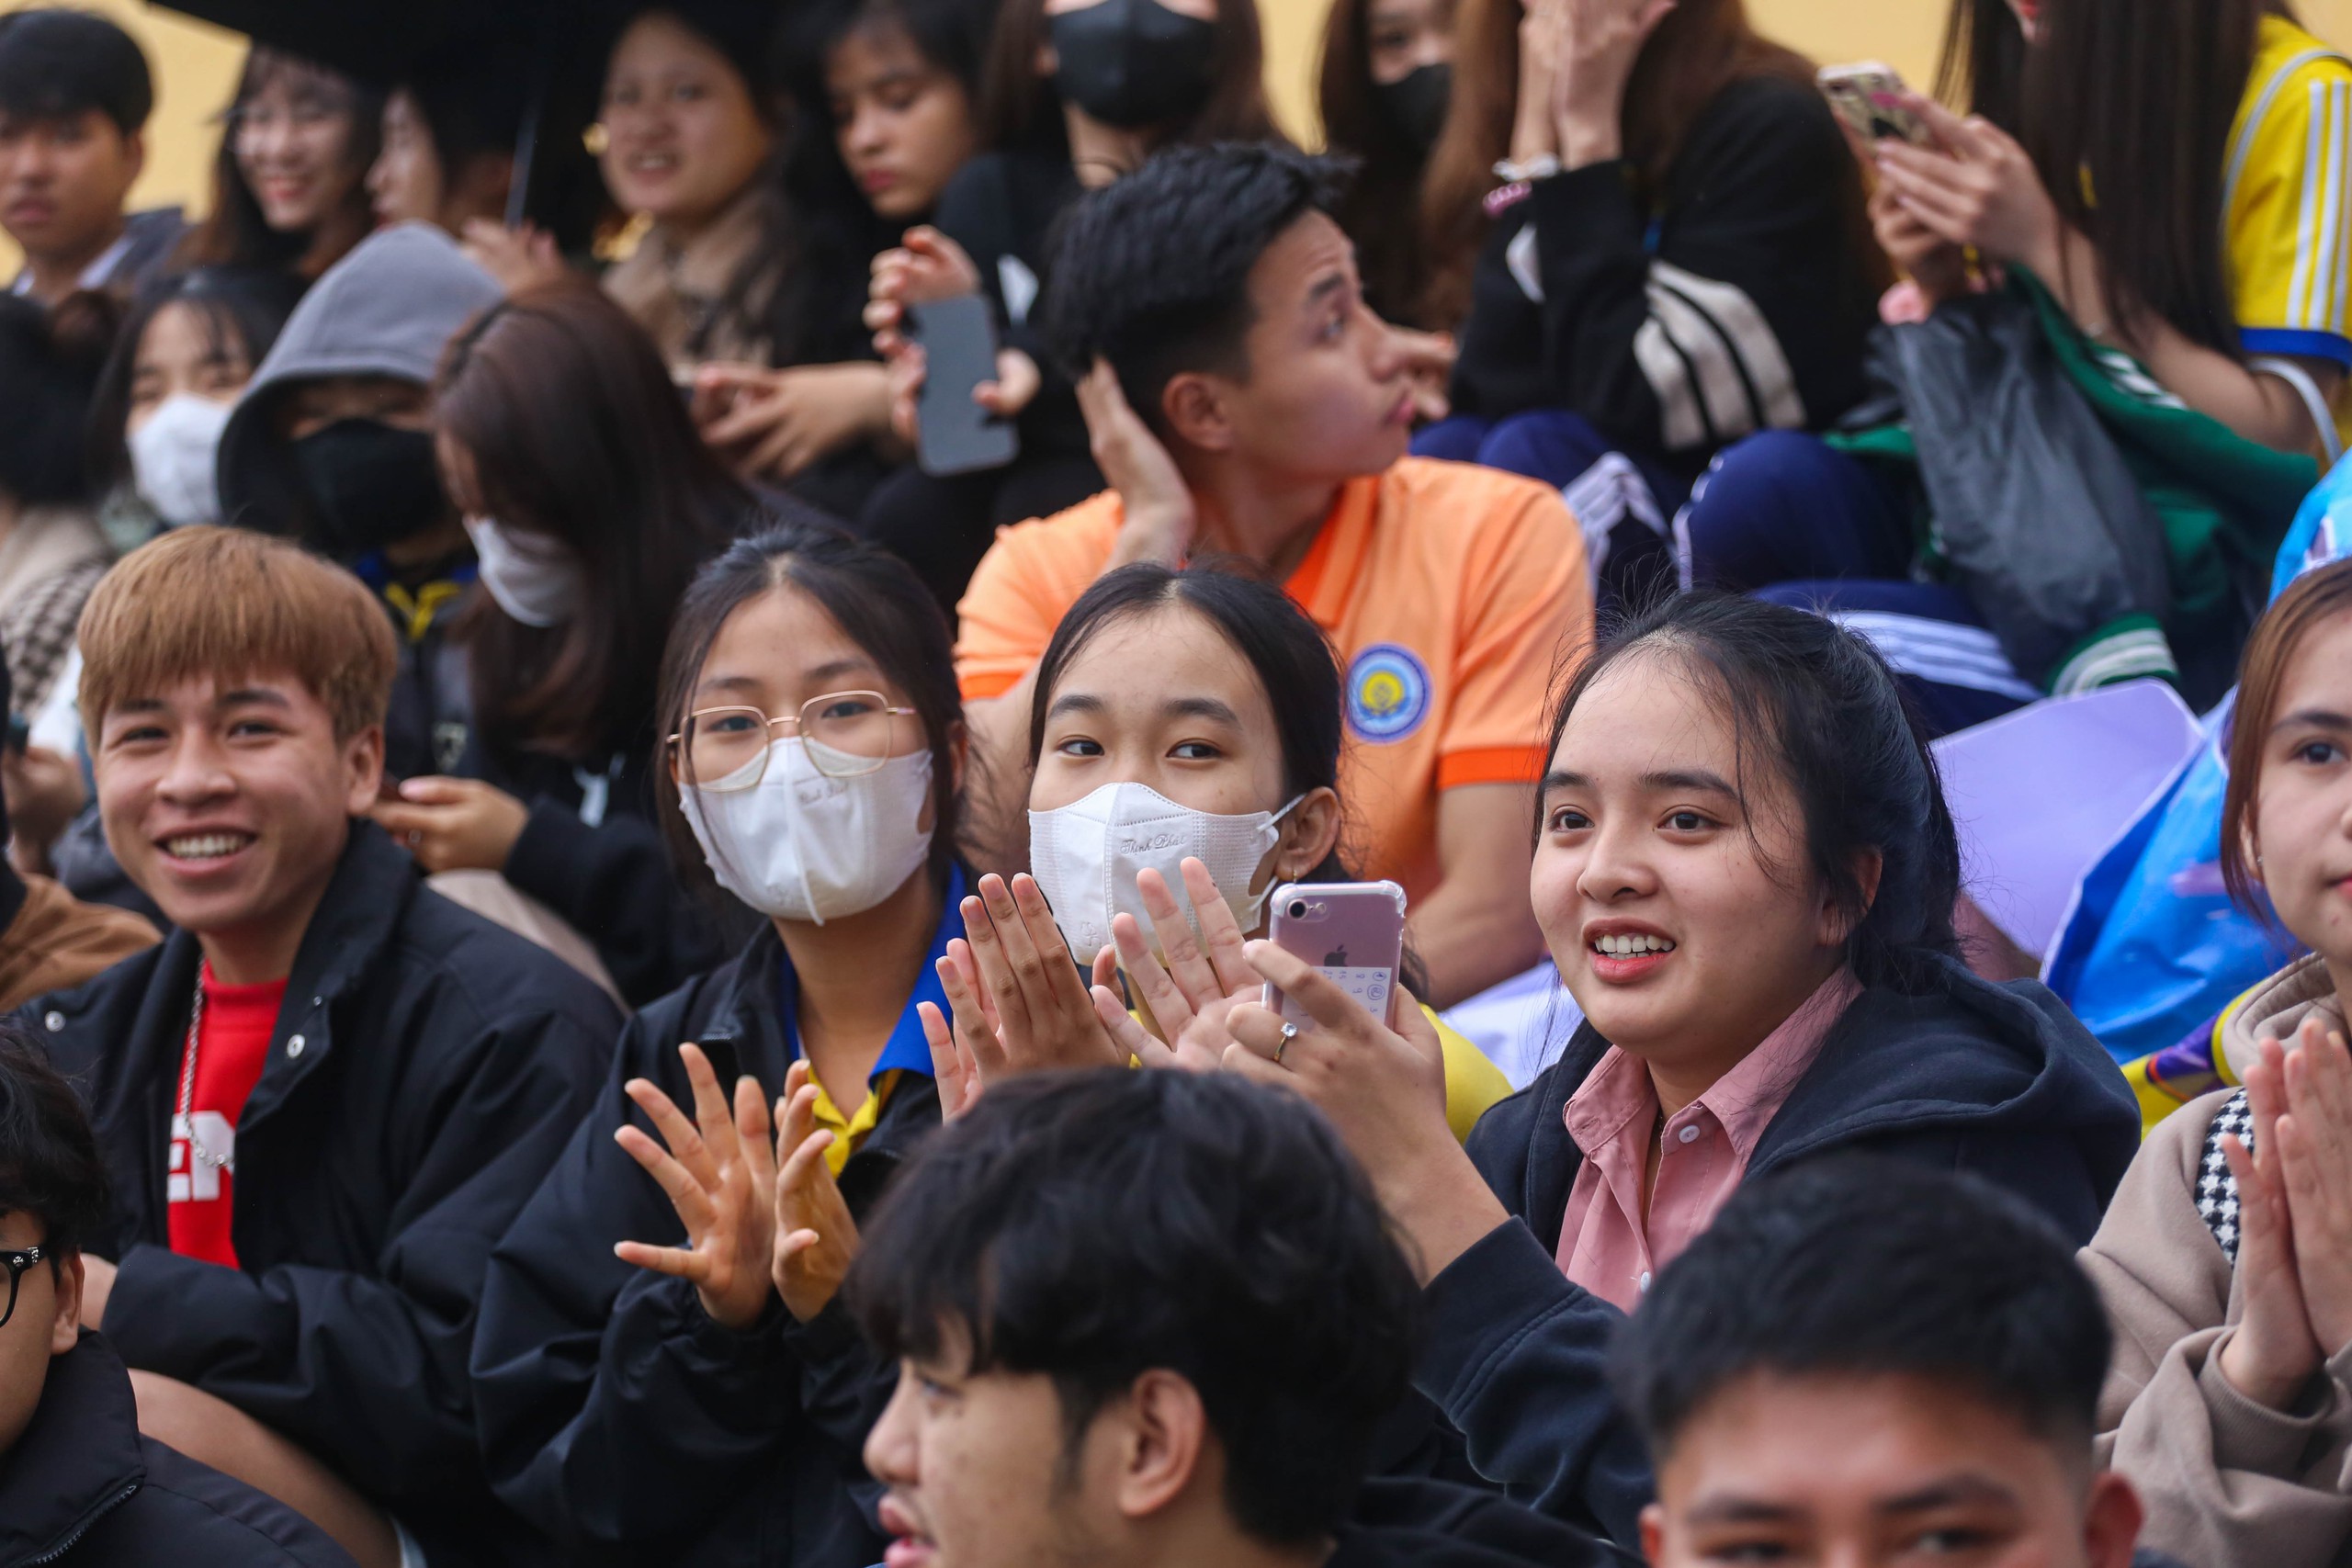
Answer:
(1336, 960)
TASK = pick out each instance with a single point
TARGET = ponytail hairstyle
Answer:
(874, 596)
(1814, 703)
(2308, 602)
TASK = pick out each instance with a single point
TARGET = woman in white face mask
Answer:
(590, 502)
(815, 748)
(1184, 747)
(182, 356)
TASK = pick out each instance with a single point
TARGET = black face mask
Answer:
(372, 484)
(1414, 104)
(1132, 62)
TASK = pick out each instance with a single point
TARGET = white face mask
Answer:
(174, 458)
(800, 846)
(534, 579)
(1085, 856)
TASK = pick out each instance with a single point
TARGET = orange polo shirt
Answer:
(1452, 594)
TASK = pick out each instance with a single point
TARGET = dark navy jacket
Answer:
(426, 1069)
(2000, 1081)
(610, 877)
(614, 1412)
(82, 1489)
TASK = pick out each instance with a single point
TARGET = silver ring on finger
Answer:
(1290, 1033)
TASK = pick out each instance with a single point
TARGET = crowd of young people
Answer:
(602, 967)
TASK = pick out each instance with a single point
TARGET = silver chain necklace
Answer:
(187, 1117)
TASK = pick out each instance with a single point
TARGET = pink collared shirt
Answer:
(1612, 1117)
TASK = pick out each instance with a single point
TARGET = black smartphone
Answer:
(958, 437)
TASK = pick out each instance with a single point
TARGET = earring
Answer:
(596, 139)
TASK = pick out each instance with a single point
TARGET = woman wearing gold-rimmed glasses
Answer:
(813, 748)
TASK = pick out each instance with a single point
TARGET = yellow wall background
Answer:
(196, 66)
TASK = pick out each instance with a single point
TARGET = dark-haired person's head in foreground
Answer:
(1869, 1364)
(1216, 284)
(79, 1486)
(74, 96)
(52, 1201)
(1139, 1317)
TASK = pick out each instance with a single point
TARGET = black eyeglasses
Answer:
(16, 1263)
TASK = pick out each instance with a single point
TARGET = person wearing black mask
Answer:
(1386, 81)
(1075, 93)
(331, 443)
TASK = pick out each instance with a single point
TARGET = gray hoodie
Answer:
(387, 308)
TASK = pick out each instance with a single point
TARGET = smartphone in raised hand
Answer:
(957, 435)
(1352, 932)
(1860, 94)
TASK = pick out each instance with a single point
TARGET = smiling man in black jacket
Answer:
(324, 1097)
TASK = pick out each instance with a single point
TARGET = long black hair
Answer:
(1812, 703)
(2125, 106)
(874, 597)
(1287, 650)
(829, 231)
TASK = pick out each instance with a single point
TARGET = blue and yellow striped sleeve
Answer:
(2289, 217)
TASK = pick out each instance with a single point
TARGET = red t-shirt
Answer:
(232, 1043)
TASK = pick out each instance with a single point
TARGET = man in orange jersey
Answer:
(1246, 404)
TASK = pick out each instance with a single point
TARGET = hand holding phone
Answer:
(1863, 96)
(1352, 932)
(954, 434)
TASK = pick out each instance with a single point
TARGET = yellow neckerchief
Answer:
(849, 1132)
(418, 607)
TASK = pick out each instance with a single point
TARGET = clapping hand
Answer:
(2294, 1216)
(816, 1239)
(2316, 1159)
(719, 1174)
(1018, 1000)
(1190, 988)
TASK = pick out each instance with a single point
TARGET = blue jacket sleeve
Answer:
(1517, 1359)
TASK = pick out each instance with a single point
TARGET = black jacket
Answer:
(82, 1489)
(2000, 1081)
(1737, 301)
(426, 1069)
(1005, 210)
(612, 878)
(613, 1411)
(1432, 1524)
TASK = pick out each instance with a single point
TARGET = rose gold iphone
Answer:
(1352, 932)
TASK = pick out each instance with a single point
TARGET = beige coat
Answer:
(2229, 1484)
(701, 301)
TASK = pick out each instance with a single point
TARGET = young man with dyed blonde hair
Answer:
(324, 1097)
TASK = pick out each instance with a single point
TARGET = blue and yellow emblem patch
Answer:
(1389, 692)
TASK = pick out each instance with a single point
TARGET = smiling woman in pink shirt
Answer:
(1746, 873)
